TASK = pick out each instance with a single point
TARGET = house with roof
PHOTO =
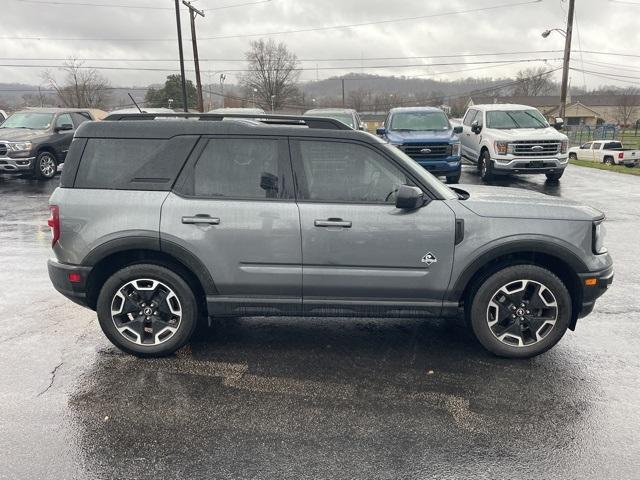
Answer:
(590, 110)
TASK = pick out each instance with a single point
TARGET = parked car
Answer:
(504, 139)
(255, 111)
(347, 116)
(36, 141)
(606, 151)
(3, 116)
(227, 217)
(426, 135)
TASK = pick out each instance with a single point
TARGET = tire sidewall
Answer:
(486, 167)
(38, 166)
(174, 281)
(478, 312)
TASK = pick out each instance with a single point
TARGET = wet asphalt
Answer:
(316, 398)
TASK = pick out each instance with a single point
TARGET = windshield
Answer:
(343, 117)
(421, 173)
(516, 119)
(32, 121)
(419, 121)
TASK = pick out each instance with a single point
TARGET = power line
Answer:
(606, 76)
(286, 32)
(139, 7)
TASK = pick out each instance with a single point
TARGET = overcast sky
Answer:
(49, 31)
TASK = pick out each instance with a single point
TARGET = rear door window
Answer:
(242, 168)
(132, 163)
(80, 117)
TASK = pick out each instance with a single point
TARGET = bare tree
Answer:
(628, 105)
(273, 74)
(359, 98)
(81, 87)
(533, 82)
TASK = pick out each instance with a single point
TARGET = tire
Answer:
(45, 166)
(573, 156)
(453, 178)
(486, 303)
(608, 160)
(169, 307)
(555, 176)
(486, 167)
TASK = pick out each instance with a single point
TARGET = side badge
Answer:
(429, 258)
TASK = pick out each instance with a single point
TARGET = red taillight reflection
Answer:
(621, 155)
(54, 223)
(74, 277)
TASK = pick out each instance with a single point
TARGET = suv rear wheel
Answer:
(147, 310)
(520, 311)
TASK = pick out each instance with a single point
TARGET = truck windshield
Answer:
(30, 120)
(509, 119)
(419, 121)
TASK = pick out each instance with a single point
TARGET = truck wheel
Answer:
(147, 310)
(608, 160)
(555, 176)
(520, 311)
(486, 167)
(453, 178)
(45, 166)
(573, 156)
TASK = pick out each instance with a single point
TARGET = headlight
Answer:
(19, 146)
(564, 145)
(599, 233)
(455, 149)
(501, 147)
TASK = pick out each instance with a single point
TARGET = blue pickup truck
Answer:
(425, 135)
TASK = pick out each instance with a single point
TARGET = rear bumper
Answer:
(590, 294)
(59, 276)
(16, 164)
(440, 166)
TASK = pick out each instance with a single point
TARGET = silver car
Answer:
(157, 224)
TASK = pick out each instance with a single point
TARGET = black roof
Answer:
(164, 129)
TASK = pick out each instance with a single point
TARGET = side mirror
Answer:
(381, 131)
(476, 127)
(558, 123)
(64, 127)
(409, 198)
(457, 130)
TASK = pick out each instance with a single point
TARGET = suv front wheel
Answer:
(486, 166)
(520, 311)
(147, 310)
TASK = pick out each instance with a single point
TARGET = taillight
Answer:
(621, 155)
(54, 223)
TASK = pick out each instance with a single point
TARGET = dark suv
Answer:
(36, 141)
(157, 223)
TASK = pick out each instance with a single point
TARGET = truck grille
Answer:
(424, 150)
(3, 150)
(540, 148)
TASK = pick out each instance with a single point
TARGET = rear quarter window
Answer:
(132, 164)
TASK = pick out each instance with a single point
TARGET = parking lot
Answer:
(317, 398)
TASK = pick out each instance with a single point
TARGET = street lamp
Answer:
(255, 90)
(223, 77)
(567, 54)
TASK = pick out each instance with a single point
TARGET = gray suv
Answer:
(159, 223)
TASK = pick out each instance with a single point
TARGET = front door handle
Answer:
(332, 222)
(201, 219)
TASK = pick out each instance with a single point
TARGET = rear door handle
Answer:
(201, 219)
(332, 222)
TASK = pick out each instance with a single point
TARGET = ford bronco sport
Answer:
(159, 223)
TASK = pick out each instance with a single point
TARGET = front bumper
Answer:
(440, 166)
(8, 164)
(59, 276)
(508, 164)
(590, 293)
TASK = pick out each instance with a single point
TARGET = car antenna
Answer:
(134, 102)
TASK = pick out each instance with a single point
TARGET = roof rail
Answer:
(285, 120)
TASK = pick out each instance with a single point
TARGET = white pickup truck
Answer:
(606, 151)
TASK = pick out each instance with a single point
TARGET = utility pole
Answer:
(343, 102)
(565, 64)
(184, 81)
(223, 77)
(192, 15)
